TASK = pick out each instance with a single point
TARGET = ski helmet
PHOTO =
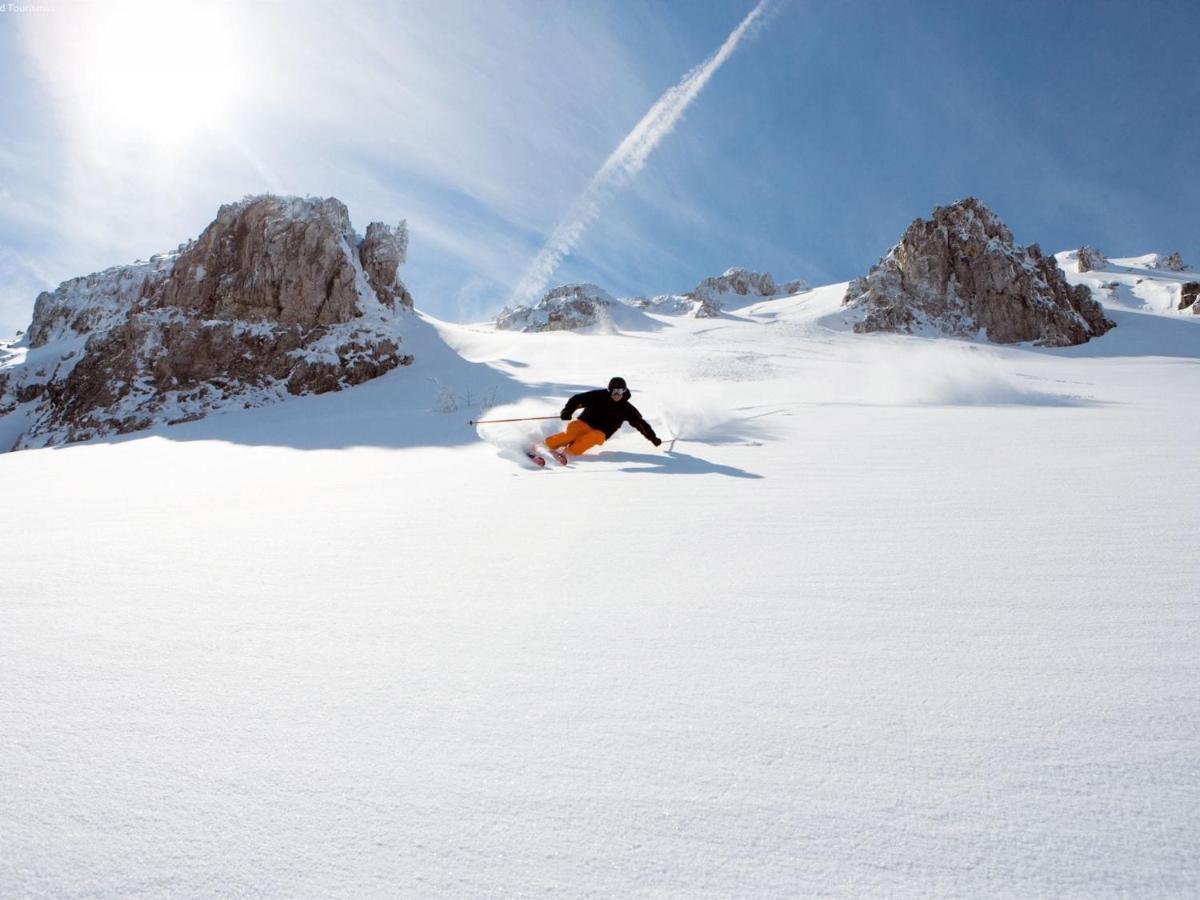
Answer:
(615, 383)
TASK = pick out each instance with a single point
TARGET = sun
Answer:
(153, 74)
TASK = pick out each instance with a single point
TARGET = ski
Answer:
(559, 456)
(537, 458)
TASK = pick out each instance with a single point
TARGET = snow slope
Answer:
(1134, 282)
(897, 616)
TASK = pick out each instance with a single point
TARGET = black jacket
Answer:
(605, 414)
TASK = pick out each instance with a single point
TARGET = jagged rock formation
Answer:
(1188, 294)
(382, 252)
(961, 274)
(277, 297)
(733, 282)
(1172, 262)
(708, 299)
(1090, 259)
(565, 308)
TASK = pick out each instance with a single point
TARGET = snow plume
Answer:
(954, 374)
(624, 163)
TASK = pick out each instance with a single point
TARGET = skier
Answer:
(604, 411)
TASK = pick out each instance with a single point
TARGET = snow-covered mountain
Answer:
(960, 273)
(278, 297)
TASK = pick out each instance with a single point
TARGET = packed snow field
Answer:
(897, 616)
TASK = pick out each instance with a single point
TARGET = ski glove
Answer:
(565, 416)
(657, 442)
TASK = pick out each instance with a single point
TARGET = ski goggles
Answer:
(620, 392)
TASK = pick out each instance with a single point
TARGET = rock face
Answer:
(565, 308)
(1172, 262)
(1188, 294)
(277, 297)
(960, 274)
(382, 252)
(1090, 259)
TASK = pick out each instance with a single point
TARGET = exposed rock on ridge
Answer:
(960, 273)
(278, 296)
(708, 299)
(1090, 259)
(1172, 262)
(711, 294)
(382, 252)
(565, 308)
(575, 306)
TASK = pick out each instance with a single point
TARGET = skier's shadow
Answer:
(671, 463)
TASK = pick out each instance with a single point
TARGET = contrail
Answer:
(624, 163)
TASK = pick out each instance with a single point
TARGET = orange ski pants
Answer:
(579, 437)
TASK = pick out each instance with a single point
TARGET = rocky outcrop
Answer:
(712, 294)
(960, 273)
(277, 297)
(381, 253)
(665, 304)
(1172, 262)
(270, 259)
(1089, 259)
(709, 298)
(95, 303)
(565, 308)
(1188, 295)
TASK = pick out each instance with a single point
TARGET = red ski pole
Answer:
(495, 421)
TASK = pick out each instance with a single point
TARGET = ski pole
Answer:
(495, 421)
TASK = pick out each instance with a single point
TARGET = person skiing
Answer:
(604, 411)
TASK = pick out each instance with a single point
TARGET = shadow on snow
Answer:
(671, 462)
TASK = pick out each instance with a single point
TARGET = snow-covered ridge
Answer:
(714, 295)
(572, 307)
(1152, 282)
(277, 297)
(568, 307)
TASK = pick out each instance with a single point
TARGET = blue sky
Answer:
(124, 127)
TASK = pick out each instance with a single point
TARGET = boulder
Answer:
(960, 274)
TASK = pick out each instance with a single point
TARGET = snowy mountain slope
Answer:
(898, 616)
(1137, 282)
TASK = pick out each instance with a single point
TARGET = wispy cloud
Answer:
(627, 160)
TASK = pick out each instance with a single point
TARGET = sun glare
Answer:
(155, 74)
